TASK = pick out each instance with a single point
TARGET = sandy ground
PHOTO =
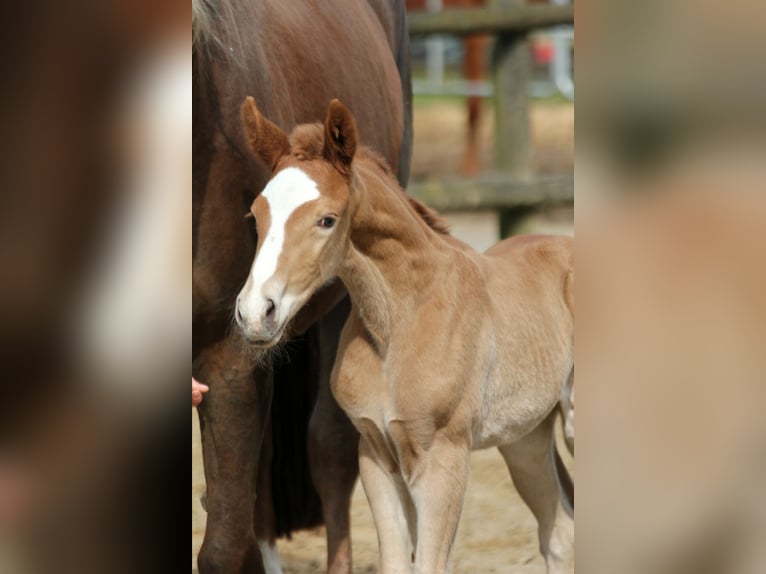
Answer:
(497, 531)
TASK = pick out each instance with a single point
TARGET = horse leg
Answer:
(334, 468)
(438, 489)
(233, 418)
(333, 450)
(392, 511)
(474, 71)
(532, 462)
(264, 521)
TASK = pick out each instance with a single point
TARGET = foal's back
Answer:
(533, 262)
(530, 279)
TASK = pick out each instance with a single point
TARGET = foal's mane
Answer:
(306, 143)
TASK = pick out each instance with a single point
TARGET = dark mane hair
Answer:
(430, 216)
(306, 143)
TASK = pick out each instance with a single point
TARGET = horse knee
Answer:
(333, 442)
(225, 557)
(334, 461)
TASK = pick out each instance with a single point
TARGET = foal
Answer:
(446, 350)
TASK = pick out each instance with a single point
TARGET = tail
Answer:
(569, 290)
(565, 480)
(296, 503)
(567, 411)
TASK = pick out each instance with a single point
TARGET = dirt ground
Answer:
(497, 531)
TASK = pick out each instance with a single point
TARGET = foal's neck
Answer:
(394, 256)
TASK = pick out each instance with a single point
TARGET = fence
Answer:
(514, 184)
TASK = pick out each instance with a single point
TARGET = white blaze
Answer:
(290, 189)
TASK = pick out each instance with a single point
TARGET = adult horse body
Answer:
(294, 57)
(446, 350)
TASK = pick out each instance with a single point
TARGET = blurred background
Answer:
(671, 260)
(95, 268)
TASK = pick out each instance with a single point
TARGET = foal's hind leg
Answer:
(333, 451)
(531, 462)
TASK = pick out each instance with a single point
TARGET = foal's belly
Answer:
(508, 428)
(514, 406)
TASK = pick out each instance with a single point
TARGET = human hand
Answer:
(197, 390)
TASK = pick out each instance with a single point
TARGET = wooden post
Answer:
(512, 69)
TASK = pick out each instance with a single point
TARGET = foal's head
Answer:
(301, 217)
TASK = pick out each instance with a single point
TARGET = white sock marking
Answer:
(270, 556)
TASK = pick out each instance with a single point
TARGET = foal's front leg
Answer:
(391, 509)
(437, 485)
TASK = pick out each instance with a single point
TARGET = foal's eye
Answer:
(326, 222)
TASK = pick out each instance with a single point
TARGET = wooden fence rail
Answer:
(494, 192)
(489, 20)
(515, 183)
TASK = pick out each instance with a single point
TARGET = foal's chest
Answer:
(381, 422)
(358, 382)
(382, 387)
(388, 404)
(362, 392)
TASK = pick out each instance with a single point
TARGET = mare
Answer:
(445, 351)
(294, 57)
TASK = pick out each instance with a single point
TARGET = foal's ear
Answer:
(267, 141)
(339, 137)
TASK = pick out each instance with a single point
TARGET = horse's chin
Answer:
(266, 341)
(262, 343)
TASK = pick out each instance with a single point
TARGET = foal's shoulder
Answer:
(534, 257)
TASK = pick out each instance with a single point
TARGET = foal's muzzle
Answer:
(259, 322)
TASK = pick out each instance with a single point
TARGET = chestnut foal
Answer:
(446, 350)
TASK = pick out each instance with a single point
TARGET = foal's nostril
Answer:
(238, 313)
(270, 308)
